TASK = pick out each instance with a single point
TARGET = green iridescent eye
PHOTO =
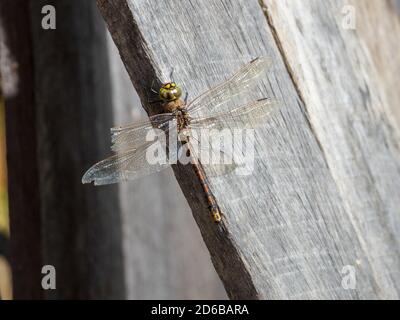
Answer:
(170, 92)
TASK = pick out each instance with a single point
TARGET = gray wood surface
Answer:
(164, 256)
(353, 104)
(325, 190)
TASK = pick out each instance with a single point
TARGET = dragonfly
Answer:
(179, 119)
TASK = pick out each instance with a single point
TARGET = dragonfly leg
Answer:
(154, 101)
(186, 98)
(152, 87)
(154, 91)
(172, 74)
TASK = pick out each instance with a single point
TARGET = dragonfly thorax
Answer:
(182, 118)
(173, 106)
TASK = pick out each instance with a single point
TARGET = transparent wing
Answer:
(215, 160)
(249, 115)
(134, 135)
(219, 169)
(239, 83)
(131, 164)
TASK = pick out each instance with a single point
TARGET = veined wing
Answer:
(249, 115)
(216, 162)
(131, 164)
(216, 169)
(239, 83)
(132, 136)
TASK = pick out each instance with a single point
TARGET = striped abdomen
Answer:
(214, 209)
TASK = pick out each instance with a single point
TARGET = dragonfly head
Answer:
(170, 92)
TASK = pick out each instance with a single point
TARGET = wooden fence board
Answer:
(289, 232)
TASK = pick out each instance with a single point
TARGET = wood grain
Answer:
(325, 188)
(347, 80)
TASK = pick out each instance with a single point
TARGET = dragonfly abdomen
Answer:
(213, 207)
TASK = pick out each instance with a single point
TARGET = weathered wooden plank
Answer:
(159, 234)
(347, 79)
(288, 231)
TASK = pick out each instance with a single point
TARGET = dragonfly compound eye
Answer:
(170, 92)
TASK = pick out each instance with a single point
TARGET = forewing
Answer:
(132, 136)
(248, 116)
(215, 160)
(239, 83)
(130, 164)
